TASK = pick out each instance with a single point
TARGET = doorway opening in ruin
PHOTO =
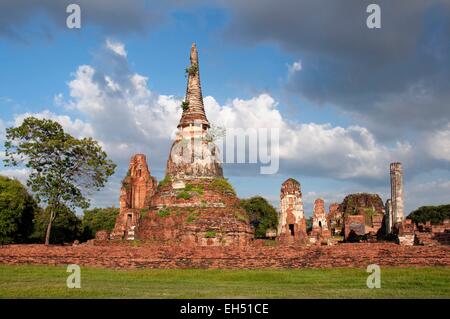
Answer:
(291, 229)
(320, 224)
(129, 217)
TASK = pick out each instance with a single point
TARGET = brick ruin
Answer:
(335, 220)
(193, 204)
(292, 222)
(320, 230)
(363, 214)
(137, 189)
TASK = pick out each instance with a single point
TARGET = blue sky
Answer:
(356, 103)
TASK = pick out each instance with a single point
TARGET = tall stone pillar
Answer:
(397, 192)
(389, 216)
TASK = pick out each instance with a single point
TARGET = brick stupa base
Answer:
(195, 212)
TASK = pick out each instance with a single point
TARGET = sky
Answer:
(347, 100)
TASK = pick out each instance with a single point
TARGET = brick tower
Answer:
(292, 223)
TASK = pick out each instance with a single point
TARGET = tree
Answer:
(98, 219)
(66, 226)
(433, 214)
(63, 168)
(17, 209)
(262, 215)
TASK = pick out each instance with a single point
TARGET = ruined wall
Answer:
(291, 222)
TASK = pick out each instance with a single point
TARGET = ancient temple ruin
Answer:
(292, 222)
(194, 204)
(135, 194)
(320, 228)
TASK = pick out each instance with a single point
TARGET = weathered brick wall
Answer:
(127, 255)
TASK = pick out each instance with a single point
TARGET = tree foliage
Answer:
(66, 226)
(434, 214)
(17, 209)
(98, 219)
(63, 168)
(261, 214)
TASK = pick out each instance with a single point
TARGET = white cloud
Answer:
(117, 47)
(438, 144)
(294, 67)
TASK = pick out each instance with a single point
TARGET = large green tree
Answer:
(262, 215)
(433, 214)
(98, 219)
(17, 209)
(64, 169)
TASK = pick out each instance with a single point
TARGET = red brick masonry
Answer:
(250, 257)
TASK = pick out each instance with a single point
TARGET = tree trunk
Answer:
(49, 227)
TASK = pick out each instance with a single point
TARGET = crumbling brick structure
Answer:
(194, 204)
(135, 194)
(369, 206)
(335, 219)
(291, 222)
(320, 228)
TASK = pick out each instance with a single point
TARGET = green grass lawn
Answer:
(50, 282)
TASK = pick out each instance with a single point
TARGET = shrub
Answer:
(165, 181)
(191, 218)
(163, 212)
(222, 185)
(184, 195)
(97, 219)
(185, 105)
(262, 215)
(210, 234)
(192, 70)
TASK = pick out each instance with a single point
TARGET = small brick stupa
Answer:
(193, 204)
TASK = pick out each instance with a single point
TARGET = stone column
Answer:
(389, 216)
(397, 192)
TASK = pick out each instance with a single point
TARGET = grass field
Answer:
(50, 282)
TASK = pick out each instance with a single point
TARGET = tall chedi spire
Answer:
(193, 153)
(193, 108)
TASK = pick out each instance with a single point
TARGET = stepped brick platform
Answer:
(125, 255)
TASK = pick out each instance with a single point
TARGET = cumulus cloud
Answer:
(117, 47)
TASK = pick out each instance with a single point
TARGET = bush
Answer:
(185, 105)
(17, 211)
(184, 195)
(222, 185)
(165, 181)
(191, 218)
(163, 212)
(262, 215)
(97, 219)
(210, 234)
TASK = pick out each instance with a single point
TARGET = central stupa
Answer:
(194, 204)
(193, 154)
